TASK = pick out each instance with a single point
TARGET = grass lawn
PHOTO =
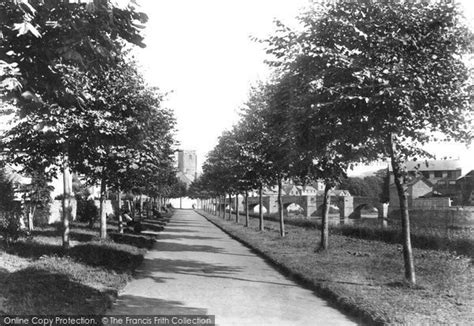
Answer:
(365, 277)
(38, 277)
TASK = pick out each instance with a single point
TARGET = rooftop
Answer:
(432, 165)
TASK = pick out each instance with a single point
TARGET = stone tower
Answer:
(187, 163)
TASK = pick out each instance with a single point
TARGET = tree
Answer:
(41, 46)
(369, 186)
(128, 143)
(39, 193)
(392, 73)
(278, 141)
(251, 133)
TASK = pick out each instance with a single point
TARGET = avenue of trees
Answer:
(358, 82)
(80, 102)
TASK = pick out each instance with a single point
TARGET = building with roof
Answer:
(416, 188)
(465, 186)
(442, 174)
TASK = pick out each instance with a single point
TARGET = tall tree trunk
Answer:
(133, 207)
(237, 215)
(140, 206)
(230, 206)
(247, 217)
(219, 206)
(147, 207)
(399, 183)
(65, 207)
(260, 211)
(237, 208)
(280, 208)
(119, 208)
(103, 216)
(325, 218)
(29, 215)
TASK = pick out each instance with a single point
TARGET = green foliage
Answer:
(370, 186)
(177, 190)
(8, 194)
(10, 227)
(87, 211)
(381, 69)
(39, 194)
(38, 37)
(82, 103)
(371, 80)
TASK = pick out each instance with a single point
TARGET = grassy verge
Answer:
(365, 277)
(38, 277)
(458, 240)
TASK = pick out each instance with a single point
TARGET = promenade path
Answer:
(195, 268)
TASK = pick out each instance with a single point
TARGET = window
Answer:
(452, 174)
(452, 182)
(426, 174)
(441, 183)
(438, 174)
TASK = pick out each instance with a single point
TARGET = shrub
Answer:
(41, 217)
(87, 211)
(10, 227)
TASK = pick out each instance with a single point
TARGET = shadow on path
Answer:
(175, 246)
(178, 230)
(131, 304)
(244, 279)
(178, 266)
(164, 236)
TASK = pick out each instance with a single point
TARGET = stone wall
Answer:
(433, 202)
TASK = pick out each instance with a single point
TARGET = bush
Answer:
(461, 244)
(10, 227)
(41, 217)
(87, 211)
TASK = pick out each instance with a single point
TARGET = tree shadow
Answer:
(82, 233)
(135, 305)
(244, 279)
(33, 291)
(175, 246)
(164, 236)
(151, 227)
(172, 229)
(136, 240)
(98, 254)
(32, 249)
(157, 221)
(178, 266)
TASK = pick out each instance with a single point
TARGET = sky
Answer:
(201, 52)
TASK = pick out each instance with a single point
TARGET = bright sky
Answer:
(202, 51)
